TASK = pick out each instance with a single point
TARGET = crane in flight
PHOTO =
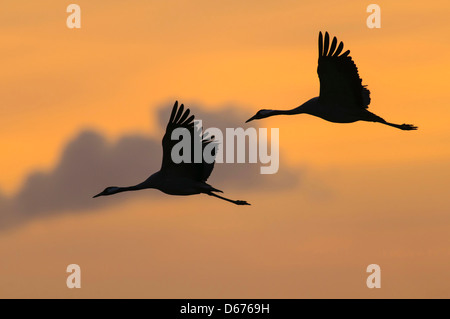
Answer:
(342, 98)
(182, 178)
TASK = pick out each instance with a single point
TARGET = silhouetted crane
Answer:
(183, 178)
(342, 98)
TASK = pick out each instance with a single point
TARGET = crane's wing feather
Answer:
(179, 118)
(339, 79)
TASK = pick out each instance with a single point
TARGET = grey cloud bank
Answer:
(89, 163)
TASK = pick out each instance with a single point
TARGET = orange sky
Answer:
(388, 202)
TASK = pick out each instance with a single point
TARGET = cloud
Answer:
(89, 163)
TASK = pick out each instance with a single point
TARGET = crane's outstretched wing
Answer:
(339, 79)
(200, 171)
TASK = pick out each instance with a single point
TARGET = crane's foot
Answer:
(236, 202)
(407, 127)
(241, 202)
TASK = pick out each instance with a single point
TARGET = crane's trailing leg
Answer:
(405, 127)
(237, 202)
(369, 116)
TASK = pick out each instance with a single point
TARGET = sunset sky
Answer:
(77, 104)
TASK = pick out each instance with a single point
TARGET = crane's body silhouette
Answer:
(179, 178)
(342, 98)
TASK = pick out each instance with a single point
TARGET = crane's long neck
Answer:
(153, 181)
(306, 107)
(285, 112)
(131, 188)
(128, 188)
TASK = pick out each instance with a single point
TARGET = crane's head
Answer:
(108, 191)
(260, 115)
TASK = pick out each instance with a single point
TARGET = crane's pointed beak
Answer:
(99, 194)
(250, 119)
